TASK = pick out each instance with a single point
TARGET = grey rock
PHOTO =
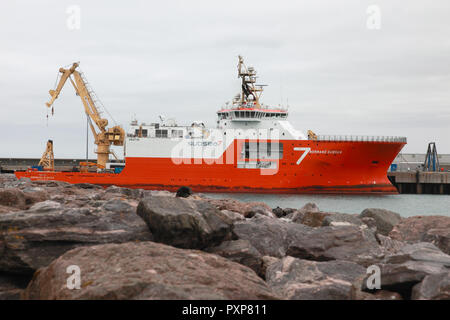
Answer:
(439, 237)
(414, 228)
(240, 251)
(45, 206)
(407, 267)
(388, 244)
(434, 229)
(369, 222)
(350, 243)
(433, 287)
(32, 239)
(297, 279)
(233, 216)
(336, 218)
(278, 238)
(270, 237)
(131, 193)
(310, 209)
(185, 223)
(385, 219)
(247, 209)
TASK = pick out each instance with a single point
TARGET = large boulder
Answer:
(32, 239)
(434, 229)
(297, 279)
(271, 237)
(280, 237)
(349, 243)
(407, 267)
(185, 223)
(433, 287)
(241, 251)
(147, 270)
(385, 219)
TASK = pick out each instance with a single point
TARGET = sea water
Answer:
(406, 205)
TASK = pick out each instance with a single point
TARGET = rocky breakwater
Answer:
(137, 244)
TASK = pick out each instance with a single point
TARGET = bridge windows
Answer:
(161, 133)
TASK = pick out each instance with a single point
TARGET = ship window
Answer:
(161, 133)
(144, 132)
(177, 133)
(252, 114)
(236, 114)
(242, 114)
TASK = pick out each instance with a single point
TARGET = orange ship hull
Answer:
(355, 167)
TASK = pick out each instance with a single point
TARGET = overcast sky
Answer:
(178, 59)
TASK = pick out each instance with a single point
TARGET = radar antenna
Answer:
(251, 92)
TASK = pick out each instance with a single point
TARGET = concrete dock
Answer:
(418, 182)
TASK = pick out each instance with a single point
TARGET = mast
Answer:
(251, 92)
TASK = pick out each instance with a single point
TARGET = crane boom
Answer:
(105, 137)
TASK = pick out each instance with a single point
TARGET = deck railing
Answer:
(361, 138)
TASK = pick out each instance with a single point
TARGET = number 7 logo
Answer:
(306, 151)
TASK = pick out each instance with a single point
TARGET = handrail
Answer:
(360, 138)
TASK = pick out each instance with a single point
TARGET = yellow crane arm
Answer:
(65, 75)
(83, 93)
(106, 136)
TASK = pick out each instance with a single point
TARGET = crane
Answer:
(47, 160)
(431, 158)
(105, 137)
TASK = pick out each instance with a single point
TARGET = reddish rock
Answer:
(434, 229)
(147, 270)
(12, 197)
(313, 219)
(33, 238)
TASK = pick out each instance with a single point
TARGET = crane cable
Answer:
(102, 106)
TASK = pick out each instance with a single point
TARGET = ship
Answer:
(252, 149)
